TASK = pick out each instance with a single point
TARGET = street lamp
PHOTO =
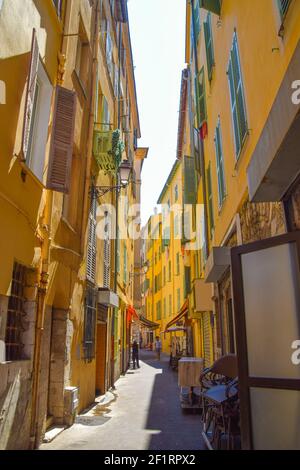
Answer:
(124, 173)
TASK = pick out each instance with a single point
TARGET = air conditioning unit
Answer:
(71, 403)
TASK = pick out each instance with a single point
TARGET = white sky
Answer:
(157, 29)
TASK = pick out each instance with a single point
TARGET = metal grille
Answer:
(89, 323)
(15, 314)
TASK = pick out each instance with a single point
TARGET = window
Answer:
(238, 108)
(125, 263)
(170, 271)
(158, 310)
(196, 18)
(283, 6)
(106, 254)
(109, 51)
(210, 58)
(170, 305)
(210, 200)
(105, 115)
(176, 193)
(165, 308)
(177, 264)
(176, 226)
(164, 275)
(220, 165)
(58, 6)
(89, 322)
(92, 240)
(178, 299)
(187, 281)
(201, 98)
(39, 122)
(15, 315)
(82, 58)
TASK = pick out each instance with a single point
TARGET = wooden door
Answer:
(101, 358)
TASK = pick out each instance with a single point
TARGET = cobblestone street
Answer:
(145, 413)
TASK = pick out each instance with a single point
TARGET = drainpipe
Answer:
(201, 145)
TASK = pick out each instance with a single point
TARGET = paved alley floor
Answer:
(145, 414)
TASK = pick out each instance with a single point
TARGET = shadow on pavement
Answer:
(173, 428)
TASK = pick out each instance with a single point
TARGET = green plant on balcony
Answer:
(108, 149)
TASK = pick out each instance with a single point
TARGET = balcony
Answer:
(107, 149)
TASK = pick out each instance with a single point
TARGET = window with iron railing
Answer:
(15, 315)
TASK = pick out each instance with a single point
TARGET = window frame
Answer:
(220, 164)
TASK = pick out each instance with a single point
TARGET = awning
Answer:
(173, 329)
(148, 323)
(131, 314)
(182, 313)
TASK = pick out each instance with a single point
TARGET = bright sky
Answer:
(157, 29)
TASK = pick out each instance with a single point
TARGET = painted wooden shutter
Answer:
(283, 6)
(201, 97)
(209, 46)
(60, 159)
(92, 241)
(196, 17)
(220, 165)
(213, 6)
(106, 256)
(30, 93)
(237, 97)
(190, 186)
(210, 199)
(187, 281)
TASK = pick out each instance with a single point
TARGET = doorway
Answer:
(101, 346)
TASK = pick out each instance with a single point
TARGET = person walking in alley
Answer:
(135, 355)
(158, 347)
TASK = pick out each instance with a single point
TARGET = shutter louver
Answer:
(220, 165)
(30, 93)
(60, 159)
(201, 97)
(209, 46)
(92, 241)
(214, 6)
(210, 200)
(190, 186)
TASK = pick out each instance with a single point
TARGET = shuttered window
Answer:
(89, 323)
(210, 58)
(196, 18)
(165, 308)
(214, 6)
(187, 281)
(164, 275)
(207, 339)
(238, 107)
(283, 6)
(200, 86)
(170, 305)
(92, 241)
(178, 300)
(106, 255)
(190, 183)
(125, 263)
(158, 310)
(170, 271)
(30, 97)
(220, 165)
(61, 149)
(210, 199)
(177, 264)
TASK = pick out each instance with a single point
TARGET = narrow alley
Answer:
(144, 414)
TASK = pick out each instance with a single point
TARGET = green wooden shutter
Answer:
(196, 18)
(220, 165)
(187, 281)
(283, 6)
(210, 199)
(237, 97)
(209, 46)
(190, 184)
(214, 6)
(201, 97)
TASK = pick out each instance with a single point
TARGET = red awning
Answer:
(131, 314)
(182, 313)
